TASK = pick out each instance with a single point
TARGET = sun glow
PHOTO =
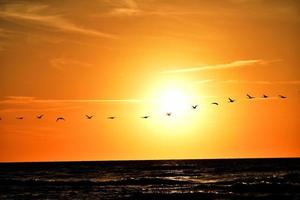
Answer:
(173, 96)
(174, 101)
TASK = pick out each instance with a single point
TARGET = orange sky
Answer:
(129, 58)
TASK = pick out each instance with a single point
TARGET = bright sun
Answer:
(175, 97)
(175, 101)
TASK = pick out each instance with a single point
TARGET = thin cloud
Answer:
(262, 82)
(292, 82)
(4, 33)
(57, 108)
(124, 8)
(204, 81)
(63, 63)
(32, 13)
(234, 64)
(22, 100)
(124, 11)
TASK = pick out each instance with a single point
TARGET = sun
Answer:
(174, 100)
(174, 97)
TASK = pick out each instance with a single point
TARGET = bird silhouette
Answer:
(145, 117)
(40, 116)
(231, 100)
(20, 118)
(111, 117)
(194, 106)
(215, 103)
(89, 117)
(60, 118)
(282, 97)
(168, 113)
(264, 96)
(250, 97)
(0, 118)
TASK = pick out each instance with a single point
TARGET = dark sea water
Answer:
(169, 179)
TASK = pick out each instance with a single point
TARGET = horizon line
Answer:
(163, 159)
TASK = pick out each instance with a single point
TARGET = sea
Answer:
(154, 179)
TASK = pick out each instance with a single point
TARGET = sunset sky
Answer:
(130, 58)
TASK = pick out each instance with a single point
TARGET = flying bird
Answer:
(194, 106)
(250, 97)
(282, 97)
(89, 117)
(20, 118)
(0, 118)
(40, 116)
(60, 118)
(168, 113)
(215, 103)
(264, 96)
(111, 117)
(145, 117)
(231, 100)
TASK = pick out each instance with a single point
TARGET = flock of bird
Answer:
(230, 100)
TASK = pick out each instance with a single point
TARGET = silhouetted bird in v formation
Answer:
(194, 106)
(146, 117)
(250, 97)
(264, 96)
(89, 117)
(215, 103)
(60, 118)
(40, 116)
(282, 97)
(231, 100)
(111, 117)
(20, 118)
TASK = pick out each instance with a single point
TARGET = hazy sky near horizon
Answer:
(130, 58)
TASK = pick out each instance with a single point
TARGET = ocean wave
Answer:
(130, 181)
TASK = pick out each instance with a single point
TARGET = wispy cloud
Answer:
(32, 104)
(124, 11)
(292, 82)
(22, 100)
(62, 63)
(41, 109)
(34, 13)
(4, 33)
(124, 8)
(234, 64)
(295, 82)
(204, 81)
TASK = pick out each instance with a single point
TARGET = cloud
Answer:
(234, 64)
(121, 3)
(44, 109)
(18, 99)
(261, 82)
(292, 82)
(124, 11)
(4, 33)
(204, 81)
(124, 8)
(63, 63)
(32, 104)
(32, 13)
(22, 100)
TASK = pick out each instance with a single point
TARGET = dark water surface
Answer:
(169, 179)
